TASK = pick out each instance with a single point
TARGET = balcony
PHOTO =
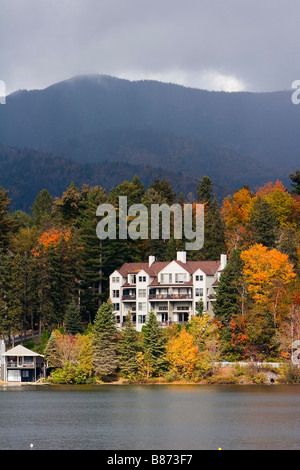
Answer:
(129, 297)
(15, 364)
(169, 296)
(172, 322)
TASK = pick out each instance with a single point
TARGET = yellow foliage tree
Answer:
(203, 330)
(280, 200)
(182, 354)
(85, 360)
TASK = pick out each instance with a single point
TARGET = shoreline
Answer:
(226, 374)
(149, 384)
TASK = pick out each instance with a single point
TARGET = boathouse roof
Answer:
(20, 351)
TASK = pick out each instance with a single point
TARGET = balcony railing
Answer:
(19, 365)
(129, 297)
(172, 322)
(170, 296)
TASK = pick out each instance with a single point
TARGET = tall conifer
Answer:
(154, 340)
(104, 342)
(128, 347)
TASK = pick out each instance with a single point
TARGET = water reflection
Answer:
(150, 417)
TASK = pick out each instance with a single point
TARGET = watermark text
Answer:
(296, 93)
(136, 222)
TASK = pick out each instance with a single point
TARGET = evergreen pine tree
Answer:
(199, 308)
(50, 352)
(227, 302)
(67, 208)
(263, 223)
(73, 323)
(16, 288)
(295, 177)
(214, 232)
(6, 222)
(154, 341)
(128, 347)
(93, 279)
(104, 342)
(204, 190)
(41, 208)
(214, 229)
(165, 190)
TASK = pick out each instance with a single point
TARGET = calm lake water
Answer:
(156, 417)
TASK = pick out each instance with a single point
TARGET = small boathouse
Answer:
(20, 365)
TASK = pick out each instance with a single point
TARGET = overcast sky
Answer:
(230, 45)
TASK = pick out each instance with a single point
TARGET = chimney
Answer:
(151, 260)
(223, 261)
(181, 256)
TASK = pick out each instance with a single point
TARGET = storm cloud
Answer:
(230, 45)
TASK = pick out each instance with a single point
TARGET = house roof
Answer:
(208, 267)
(20, 351)
(133, 268)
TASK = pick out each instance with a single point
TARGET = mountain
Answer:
(162, 149)
(148, 126)
(24, 172)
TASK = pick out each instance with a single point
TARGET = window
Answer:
(13, 375)
(116, 307)
(142, 278)
(116, 293)
(180, 277)
(142, 306)
(132, 279)
(28, 359)
(199, 278)
(166, 278)
(142, 292)
(199, 292)
(115, 279)
(142, 318)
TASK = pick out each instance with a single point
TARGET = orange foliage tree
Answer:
(50, 239)
(268, 274)
(236, 211)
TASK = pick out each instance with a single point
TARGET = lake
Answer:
(150, 417)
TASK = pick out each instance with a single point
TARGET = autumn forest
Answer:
(54, 274)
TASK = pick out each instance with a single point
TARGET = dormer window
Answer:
(166, 278)
(180, 277)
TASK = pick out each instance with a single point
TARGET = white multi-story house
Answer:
(170, 288)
